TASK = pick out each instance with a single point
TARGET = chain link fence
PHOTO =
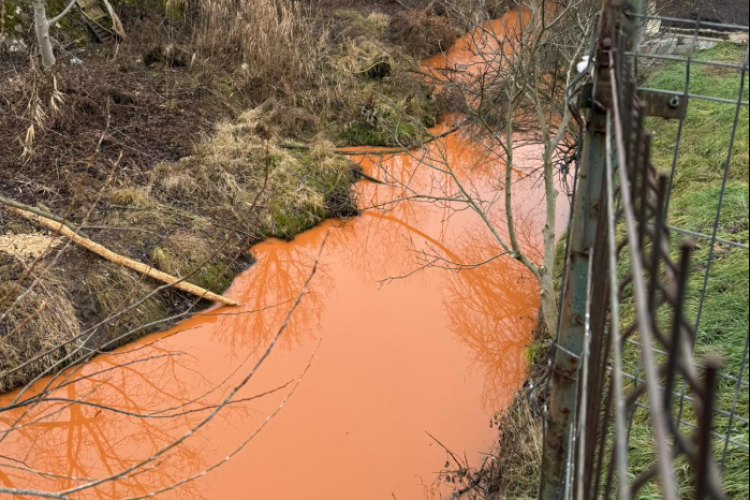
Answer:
(648, 397)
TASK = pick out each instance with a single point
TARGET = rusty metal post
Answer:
(558, 446)
(564, 383)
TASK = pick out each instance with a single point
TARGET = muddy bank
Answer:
(146, 146)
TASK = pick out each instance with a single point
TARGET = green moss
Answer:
(214, 277)
(10, 20)
(364, 134)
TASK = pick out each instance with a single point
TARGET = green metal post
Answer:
(558, 447)
(564, 382)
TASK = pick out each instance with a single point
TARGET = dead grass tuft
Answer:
(273, 42)
(182, 254)
(180, 185)
(135, 196)
(226, 174)
(113, 289)
(519, 457)
(322, 149)
(380, 20)
(422, 33)
(43, 318)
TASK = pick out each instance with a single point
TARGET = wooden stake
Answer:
(118, 259)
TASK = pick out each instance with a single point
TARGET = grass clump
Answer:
(32, 320)
(422, 33)
(115, 293)
(243, 165)
(188, 255)
(381, 103)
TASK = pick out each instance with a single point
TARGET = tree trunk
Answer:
(549, 303)
(41, 25)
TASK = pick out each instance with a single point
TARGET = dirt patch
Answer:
(27, 247)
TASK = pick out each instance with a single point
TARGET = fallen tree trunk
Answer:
(118, 259)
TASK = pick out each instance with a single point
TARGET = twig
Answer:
(42, 213)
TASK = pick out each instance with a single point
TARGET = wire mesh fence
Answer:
(649, 395)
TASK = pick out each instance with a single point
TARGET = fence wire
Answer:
(626, 289)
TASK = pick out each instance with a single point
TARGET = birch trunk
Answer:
(41, 26)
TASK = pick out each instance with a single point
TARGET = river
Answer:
(405, 360)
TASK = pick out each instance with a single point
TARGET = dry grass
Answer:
(272, 42)
(321, 80)
(182, 254)
(169, 212)
(130, 196)
(519, 458)
(113, 289)
(228, 172)
(422, 32)
(42, 319)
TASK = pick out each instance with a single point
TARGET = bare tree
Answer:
(514, 94)
(42, 26)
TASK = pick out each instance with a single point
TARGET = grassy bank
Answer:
(724, 321)
(152, 148)
(724, 314)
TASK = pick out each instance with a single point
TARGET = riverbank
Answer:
(725, 322)
(148, 146)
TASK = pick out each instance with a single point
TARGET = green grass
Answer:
(697, 186)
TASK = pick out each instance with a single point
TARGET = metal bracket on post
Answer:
(655, 104)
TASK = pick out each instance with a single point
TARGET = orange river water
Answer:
(399, 352)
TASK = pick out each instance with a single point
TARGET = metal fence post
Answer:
(558, 446)
(563, 386)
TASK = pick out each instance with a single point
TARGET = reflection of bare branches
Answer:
(510, 76)
(493, 311)
(281, 269)
(91, 416)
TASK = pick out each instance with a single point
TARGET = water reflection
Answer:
(437, 352)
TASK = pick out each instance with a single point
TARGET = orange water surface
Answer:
(403, 355)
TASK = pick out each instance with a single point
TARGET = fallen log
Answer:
(118, 259)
